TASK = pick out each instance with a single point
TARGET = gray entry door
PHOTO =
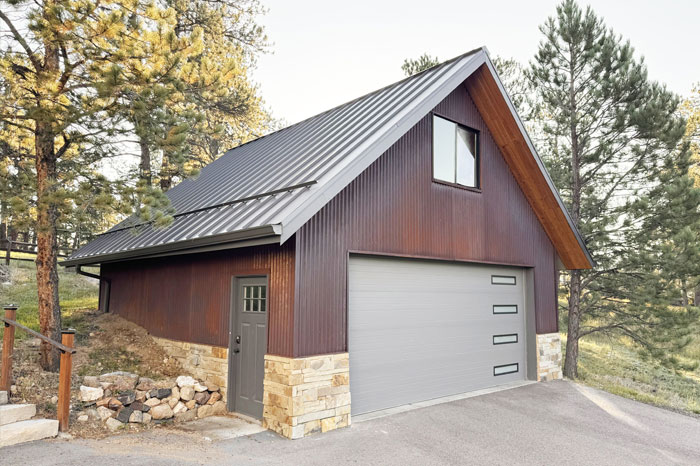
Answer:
(248, 346)
(419, 330)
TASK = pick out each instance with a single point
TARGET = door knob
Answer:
(238, 339)
(236, 350)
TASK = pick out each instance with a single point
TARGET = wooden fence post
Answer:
(64, 377)
(8, 343)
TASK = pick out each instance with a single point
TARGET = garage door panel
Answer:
(420, 330)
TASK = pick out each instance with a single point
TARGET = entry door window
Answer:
(255, 298)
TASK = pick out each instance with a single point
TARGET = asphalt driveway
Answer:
(544, 423)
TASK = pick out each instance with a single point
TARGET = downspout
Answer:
(107, 282)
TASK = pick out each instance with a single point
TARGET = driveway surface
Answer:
(545, 423)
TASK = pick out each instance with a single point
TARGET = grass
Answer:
(615, 366)
(76, 293)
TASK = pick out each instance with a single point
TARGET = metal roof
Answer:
(270, 187)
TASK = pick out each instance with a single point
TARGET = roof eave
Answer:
(267, 234)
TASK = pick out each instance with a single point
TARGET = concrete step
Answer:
(3, 397)
(15, 413)
(27, 431)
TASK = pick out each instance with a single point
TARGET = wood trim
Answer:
(504, 129)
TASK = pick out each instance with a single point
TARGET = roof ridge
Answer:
(363, 96)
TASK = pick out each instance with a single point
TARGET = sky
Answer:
(325, 53)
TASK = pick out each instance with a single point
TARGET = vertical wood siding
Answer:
(394, 207)
(188, 297)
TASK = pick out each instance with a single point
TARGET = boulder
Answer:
(106, 385)
(145, 384)
(216, 396)
(92, 414)
(140, 395)
(219, 408)
(160, 393)
(205, 411)
(90, 393)
(202, 398)
(175, 392)
(179, 408)
(172, 402)
(83, 418)
(186, 416)
(137, 417)
(139, 406)
(113, 424)
(151, 402)
(146, 418)
(211, 386)
(104, 413)
(103, 402)
(127, 397)
(162, 411)
(198, 387)
(92, 381)
(185, 381)
(124, 414)
(187, 393)
(3, 398)
(191, 404)
(114, 403)
(121, 380)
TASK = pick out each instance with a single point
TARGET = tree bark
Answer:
(571, 361)
(47, 248)
(47, 214)
(166, 179)
(145, 165)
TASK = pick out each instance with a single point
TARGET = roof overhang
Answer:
(269, 234)
(508, 131)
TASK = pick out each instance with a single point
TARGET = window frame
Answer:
(477, 168)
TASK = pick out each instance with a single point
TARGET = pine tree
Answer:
(610, 138)
(413, 66)
(56, 52)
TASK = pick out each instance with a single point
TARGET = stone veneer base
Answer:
(548, 357)
(306, 395)
(204, 362)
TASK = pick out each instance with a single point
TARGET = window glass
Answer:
(443, 149)
(454, 153)
(466, 157)
(254, 298)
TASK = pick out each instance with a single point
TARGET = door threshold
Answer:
(247, 418)
(437, 401)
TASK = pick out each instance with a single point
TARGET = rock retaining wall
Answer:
(306, 395)
(120, 398)
(202, 361)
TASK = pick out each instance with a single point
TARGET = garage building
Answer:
(401, 247)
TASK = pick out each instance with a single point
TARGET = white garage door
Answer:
(419, 330)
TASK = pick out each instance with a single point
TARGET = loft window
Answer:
(455, 153)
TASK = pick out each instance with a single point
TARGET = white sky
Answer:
(325, 53)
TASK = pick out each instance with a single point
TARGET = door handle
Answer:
(236, 350)
(238, 339)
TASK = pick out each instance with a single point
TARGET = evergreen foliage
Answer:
(413, 66)
(613, 142)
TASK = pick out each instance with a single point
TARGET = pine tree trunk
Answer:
(145, 165)
(166, 179)
(47, 215)
(571, 361)
(46, 258)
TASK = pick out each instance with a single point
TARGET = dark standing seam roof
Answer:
(304, 165)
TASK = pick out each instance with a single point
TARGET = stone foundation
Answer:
(548, 357)
(306, 395)
(205, 362)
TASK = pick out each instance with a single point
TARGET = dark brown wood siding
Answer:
(187, 297)
(394, 207)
